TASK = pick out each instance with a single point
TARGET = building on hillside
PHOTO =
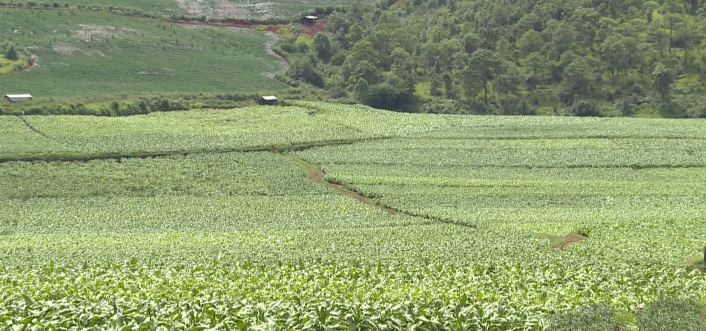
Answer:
(18, 97)
(268, 100)
(309, 19)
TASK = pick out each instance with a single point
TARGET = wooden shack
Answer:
(17, 97)
(309, 19)
(268, 100)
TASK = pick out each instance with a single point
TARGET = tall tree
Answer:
(471, 42)
(662, 80)
(657, 35)
(687, 36)
(613, 52)
(672, 20)
(530, 42)
(537, 64)
(11, 52)
(645, 55)
(578, 76)
(322, 46)
(484, 65)
(361, 51)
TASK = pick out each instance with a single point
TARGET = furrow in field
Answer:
(315, 174)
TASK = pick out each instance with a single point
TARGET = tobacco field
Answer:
(200, 220)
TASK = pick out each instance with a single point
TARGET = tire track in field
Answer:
(315, 174)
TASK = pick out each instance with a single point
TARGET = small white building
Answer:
(310, 19)
(267, 100)
(18, 97)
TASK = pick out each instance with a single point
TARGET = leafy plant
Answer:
(596, 317)
(667, 314)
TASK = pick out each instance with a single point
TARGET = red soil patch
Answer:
(313, 29)
(572, 238)
(563, 242)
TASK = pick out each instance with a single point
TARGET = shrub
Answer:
(591, 317)
(11, 52)
(385, 96)
(338, 58)
(584, 108)
(669, 314)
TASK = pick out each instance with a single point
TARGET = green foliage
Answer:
(598, 317)
(555, 53)
(530, 42)
(305, 70)
(205, 228)
(669, 314)
(11, 52)
(322, 46)
(338, 58)
(584, 108)
(483, 66)
(384, 96)
(578, 76)
(663, 78)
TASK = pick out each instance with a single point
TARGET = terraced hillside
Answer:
(221, 219)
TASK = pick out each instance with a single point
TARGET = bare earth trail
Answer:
(315, 174)
(269, 50)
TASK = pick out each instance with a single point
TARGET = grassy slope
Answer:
(140, 57)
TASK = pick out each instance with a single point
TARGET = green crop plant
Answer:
(195, 220)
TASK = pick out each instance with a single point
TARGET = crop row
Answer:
(533, 153)
(198, 175)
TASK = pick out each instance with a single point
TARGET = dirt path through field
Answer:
(315, 174)
(268, 48)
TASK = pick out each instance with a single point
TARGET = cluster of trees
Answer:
(577, 57)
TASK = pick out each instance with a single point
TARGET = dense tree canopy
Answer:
(629, 57)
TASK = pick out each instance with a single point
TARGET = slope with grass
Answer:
(195, 239)
(83, 54)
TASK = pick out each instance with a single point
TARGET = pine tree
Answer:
(11, 53)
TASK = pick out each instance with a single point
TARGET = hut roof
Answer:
(18, 96)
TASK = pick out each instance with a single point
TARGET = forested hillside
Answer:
(566, 57)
